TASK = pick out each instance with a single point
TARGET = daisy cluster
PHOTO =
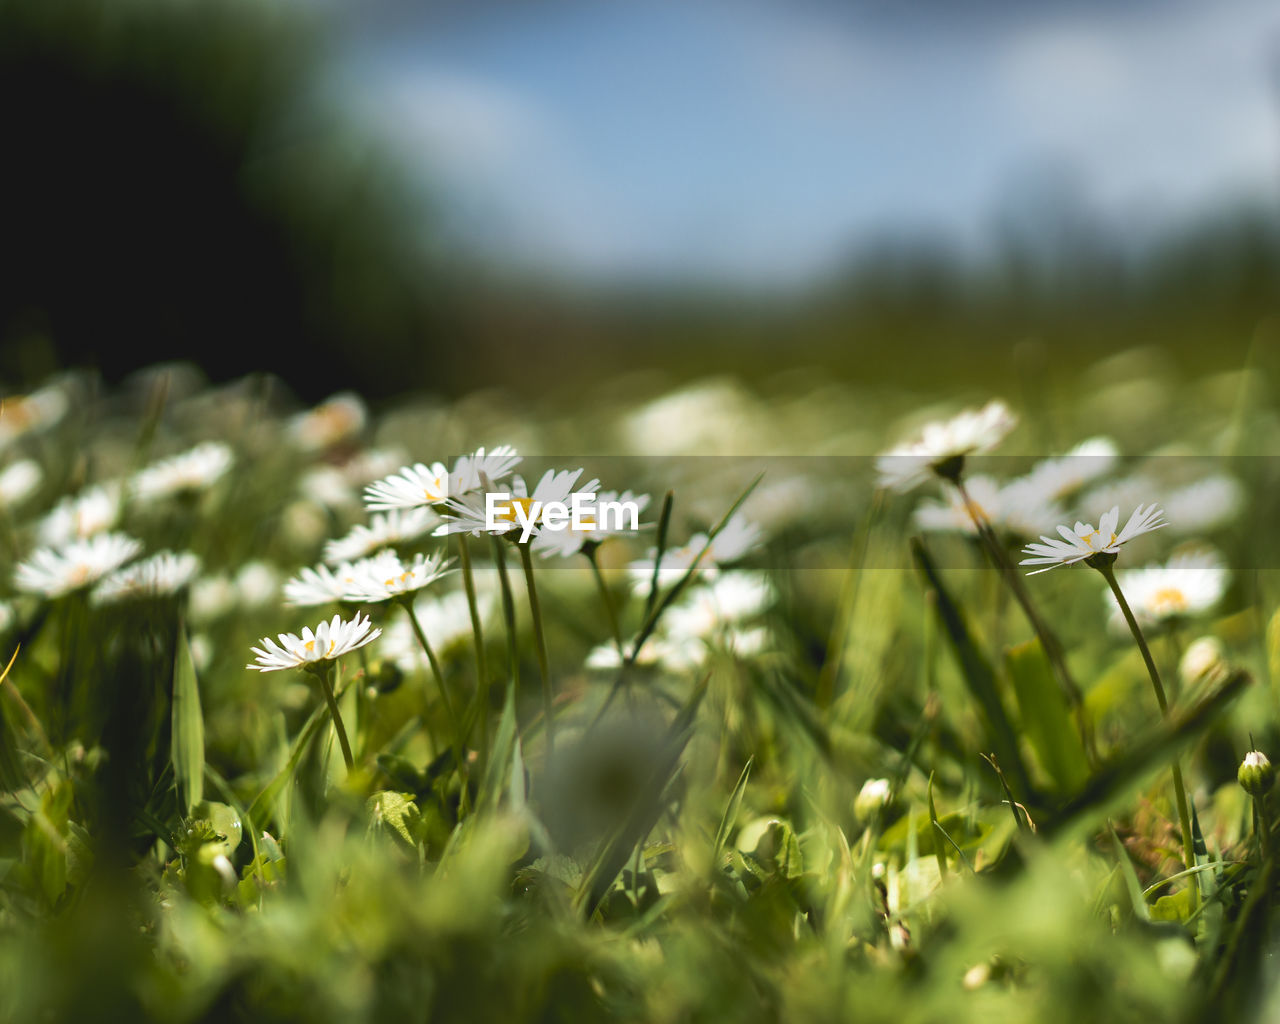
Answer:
(1037, 503)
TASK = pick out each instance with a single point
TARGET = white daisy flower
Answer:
(446, 620)
(737, 538)
(19, 481)
(420, 484)
(159, 575)
(1188, 584)
(942, 446)
(383, 530)
(1016, 507)
(335, 419)
(471, 513)
(211, 598)
(36, 411)
(331, 640)
(1059, 477)
(475, 468)
(88, 513)
(730, 599)
(674, 655)
(320, 585)
(327, 487)
(1205, 504)
(568, 542)
(52, 572)
(1085, 542)
(192, 470)
(385, 576)
(257, 583)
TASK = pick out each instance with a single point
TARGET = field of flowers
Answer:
(894, 707)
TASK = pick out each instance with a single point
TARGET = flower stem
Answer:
(540, 640)
(482, 668)
(435, 664)
(508, 610)
(325, 675)
(605, 597)
(1179, 790)
(1048, 640)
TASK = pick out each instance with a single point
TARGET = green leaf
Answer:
(263, 807)
(731, 810)
(1046, 720)
(978, 675)
(646, 810)
(187, 746)
(394, 810)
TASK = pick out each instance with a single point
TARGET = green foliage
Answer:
(186, 835)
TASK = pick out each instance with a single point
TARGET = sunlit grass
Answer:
(790, 751)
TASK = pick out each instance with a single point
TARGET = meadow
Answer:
(291, 729)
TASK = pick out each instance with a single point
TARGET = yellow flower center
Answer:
(508, 514)
(1169, 601)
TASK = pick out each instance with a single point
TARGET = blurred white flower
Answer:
(1205, 659)
(673, 654)
(1187, 584)
(211, 598)
(335, 419)
(36, 411)
(19, 481)
(1193, 509)
(569, 541)
(385, 576)
(1205, 504)
(88, 513)
(731, 598)
(738, 537)
(192, 470)
(331, 640)
(326, 486)
(159, 575)
(873, 795)
(52, 572)
(943, 445)
(1084, 541)
(1062, 476)
(320, 585)
(257, 583)
(1017, 507)
(446, 620)
(383, 530)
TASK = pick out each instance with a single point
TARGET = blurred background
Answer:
(392, 196)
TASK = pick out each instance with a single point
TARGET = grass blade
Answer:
(187, 745)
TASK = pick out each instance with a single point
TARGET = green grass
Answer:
(181, 840)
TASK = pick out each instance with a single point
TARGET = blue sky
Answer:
(759, 143)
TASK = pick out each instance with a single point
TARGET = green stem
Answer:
(407, 603)
(1264, 824)
(508, 610)
(606, 598)
(325, 675)
(1048, 639)
(482, 667)
(1179, 790)
(540, 641)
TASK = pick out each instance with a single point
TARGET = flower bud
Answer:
(1204, 662)
(873, 796)
(1256, 775)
